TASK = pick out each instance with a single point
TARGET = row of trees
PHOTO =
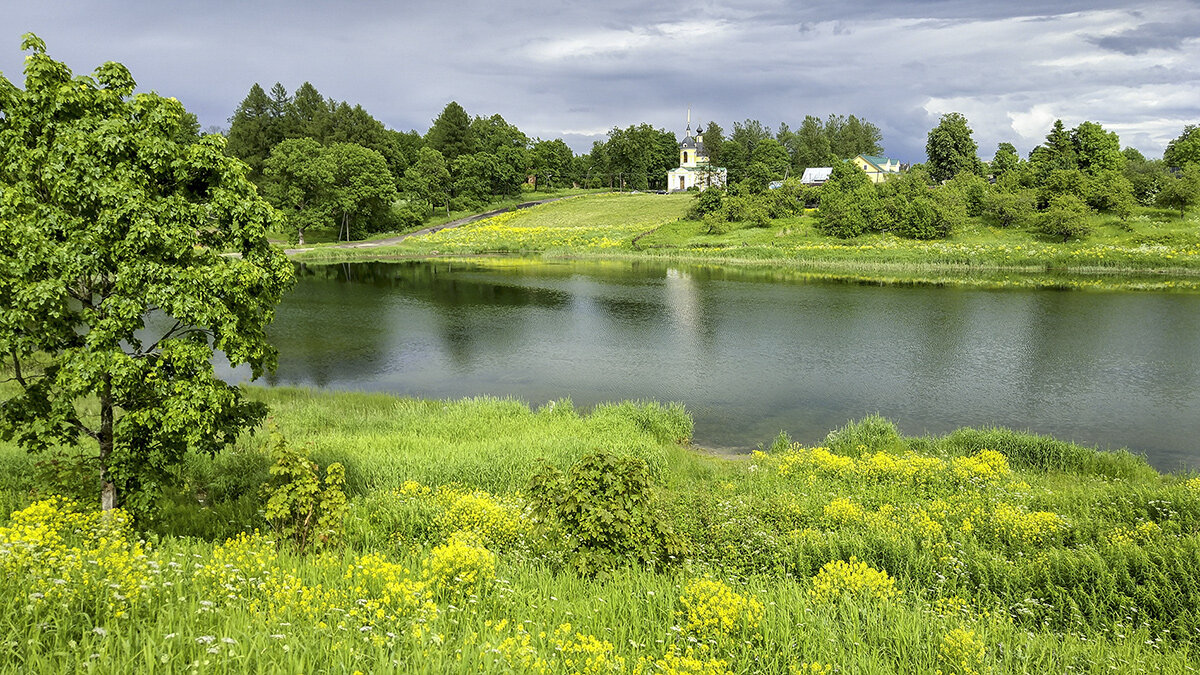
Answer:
(325, 163)
(1073, 174)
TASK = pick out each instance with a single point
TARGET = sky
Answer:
(575, 70)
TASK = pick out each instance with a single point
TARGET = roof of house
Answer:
(878, 162)
(816, 174)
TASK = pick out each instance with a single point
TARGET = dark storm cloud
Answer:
(576, 70)
(1150, 36)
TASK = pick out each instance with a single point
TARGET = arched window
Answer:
(685, 155)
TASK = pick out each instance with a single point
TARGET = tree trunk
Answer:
(300, 237)
(108, 493)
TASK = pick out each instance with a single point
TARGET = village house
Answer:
(877, 168)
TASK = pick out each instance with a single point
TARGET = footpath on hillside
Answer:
(389, 241)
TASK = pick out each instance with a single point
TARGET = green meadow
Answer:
(1153, 249)
(982, 551)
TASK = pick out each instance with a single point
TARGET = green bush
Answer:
(1066, 217)
(300, 506)
(604, 504)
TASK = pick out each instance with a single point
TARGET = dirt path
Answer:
(428, 230)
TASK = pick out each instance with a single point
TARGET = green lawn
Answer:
(981, 551)
(1154, 249)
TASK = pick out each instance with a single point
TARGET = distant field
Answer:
(1154, 249)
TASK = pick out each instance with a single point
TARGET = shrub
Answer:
(1010, 209)
(605, 505)
(1066, 217)
(706, 202)
(712, 609)
(460, 566)
(852, 578)
(298, 507)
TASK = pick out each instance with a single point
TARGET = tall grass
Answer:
(1008, 553)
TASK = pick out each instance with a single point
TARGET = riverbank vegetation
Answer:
(1152, 249)
(474, 537)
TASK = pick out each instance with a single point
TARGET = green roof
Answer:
(878, 161)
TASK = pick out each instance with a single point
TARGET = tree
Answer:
(297, 182)
(1005, 160)
(1010, 208)
(428, 179)
(552, 161)
(1183, 191)
(850, 136)
(360, 187)
(950, 148)
(1096, 151)
(125, 235)
(849, 203)
(811, 145)
(714, 138)
(451, 133)
(1056, 154)
(1066, 217)
(1184, 149)
(493, 133)
(252, 131)
(773, 156)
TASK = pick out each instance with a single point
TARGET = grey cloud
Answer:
(559, 69)
(1150, 36)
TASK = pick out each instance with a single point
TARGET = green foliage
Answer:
(301, 507)
(1010, 209)
(1182, 191)
(1113, 193)
(950, 148)
(1005, 160)
(637, 157)
(1066, 217)
(428, 179)
(1184, 149)
(1097, 151)
(605, 505)
(115, 288)
(451, 133)
(849, 202)
(706, 202)
(974, 190)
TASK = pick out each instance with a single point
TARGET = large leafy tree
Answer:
(951, 149)
(1185, 149)
(297, 181)
(428, 179)
(111, 228)
(361, 188)
(810, 145)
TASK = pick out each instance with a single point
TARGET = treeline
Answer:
(325, 163)
(329, 164)
(1074, 174)
(639, 157)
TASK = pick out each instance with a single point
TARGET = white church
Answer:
(694, 169)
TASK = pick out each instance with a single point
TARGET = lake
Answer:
(751, 353)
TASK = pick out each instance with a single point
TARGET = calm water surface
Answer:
(751, 356)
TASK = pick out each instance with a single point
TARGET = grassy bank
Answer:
(980, 551)
(316, 236)
(1154, 249)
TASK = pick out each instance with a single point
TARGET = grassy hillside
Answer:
(1153, 249)
(981, 551)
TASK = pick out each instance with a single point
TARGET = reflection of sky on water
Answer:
(751, 358)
